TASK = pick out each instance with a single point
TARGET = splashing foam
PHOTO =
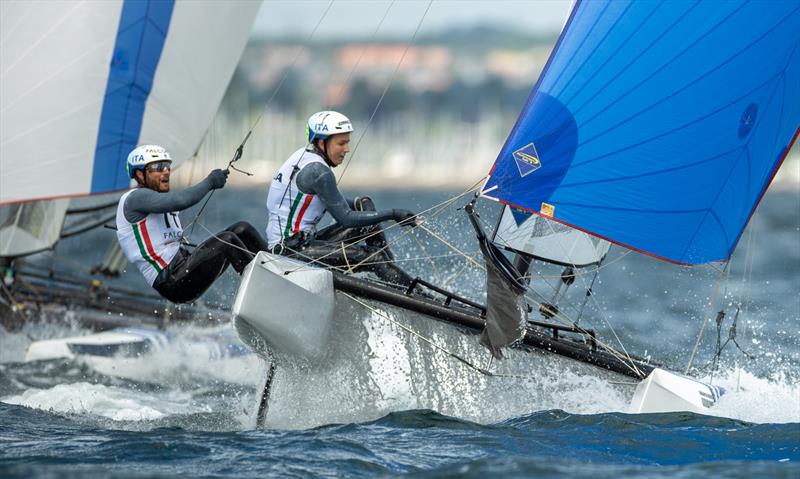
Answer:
(103, 401)
(745, 394)
(375, 367)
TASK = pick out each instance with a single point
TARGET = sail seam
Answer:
(682, 89)
(634, 60)
(610, 57)
(571, 59)
(678, 128)
(729, 248)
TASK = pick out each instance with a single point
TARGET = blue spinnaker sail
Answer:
(658, 125)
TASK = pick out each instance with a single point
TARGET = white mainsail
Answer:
(64, 65)
(82, 83)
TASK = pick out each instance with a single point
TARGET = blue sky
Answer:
(359, 18)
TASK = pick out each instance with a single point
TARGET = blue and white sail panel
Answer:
(658, 125)
(82, 83)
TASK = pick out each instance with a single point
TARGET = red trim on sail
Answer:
(668, 260)
(306, 203)
(149, 245)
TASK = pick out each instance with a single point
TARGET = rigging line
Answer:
(309, 259)
(436, 273)
(597, 305)
(405, 260)
(629, 363)
(299, 253)
(747, 280)
(747, 274)
(709, 308)
(624, 357)
(361, 55)
(583, 271)
(325, 266)
(565, 320)
(450, 245)
(238, 153)
(443, 205)
(294, 62)
(13, 303)
(389, 84)
(458, 273)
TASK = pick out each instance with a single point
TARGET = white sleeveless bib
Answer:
(290, 210)
(151, 243)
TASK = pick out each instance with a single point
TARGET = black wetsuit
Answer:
(189, 274)
(354, 221)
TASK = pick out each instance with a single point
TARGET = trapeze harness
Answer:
(151, 243)
(154, 245)
(293, 219)
(290, 210)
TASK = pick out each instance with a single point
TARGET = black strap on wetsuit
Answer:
(326, 246)
(189, 275)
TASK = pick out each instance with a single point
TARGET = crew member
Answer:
(150, 233)
(304, 188)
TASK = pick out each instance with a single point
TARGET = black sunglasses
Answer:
(159, 166)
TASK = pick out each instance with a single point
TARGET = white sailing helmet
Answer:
(323, 124)
(143, 155)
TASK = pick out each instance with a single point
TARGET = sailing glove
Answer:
(218, 178)
(404, 217)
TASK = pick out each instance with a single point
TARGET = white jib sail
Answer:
(548, 240)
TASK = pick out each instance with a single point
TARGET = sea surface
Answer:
(183, 412)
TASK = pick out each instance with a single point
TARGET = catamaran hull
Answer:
(378, 357)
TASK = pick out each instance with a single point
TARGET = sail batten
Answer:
(658, 126)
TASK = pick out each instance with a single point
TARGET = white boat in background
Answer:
(148, 354)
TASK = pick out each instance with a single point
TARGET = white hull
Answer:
(375, 358)
(379, 360)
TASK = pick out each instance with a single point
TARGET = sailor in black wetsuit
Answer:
(150, 233)
(305, 188)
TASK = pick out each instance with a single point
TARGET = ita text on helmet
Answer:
(324, 124)
(143, 155)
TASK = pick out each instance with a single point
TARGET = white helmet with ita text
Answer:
(323, 124)
(143, 155)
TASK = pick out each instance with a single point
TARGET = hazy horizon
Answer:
(361, 18)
